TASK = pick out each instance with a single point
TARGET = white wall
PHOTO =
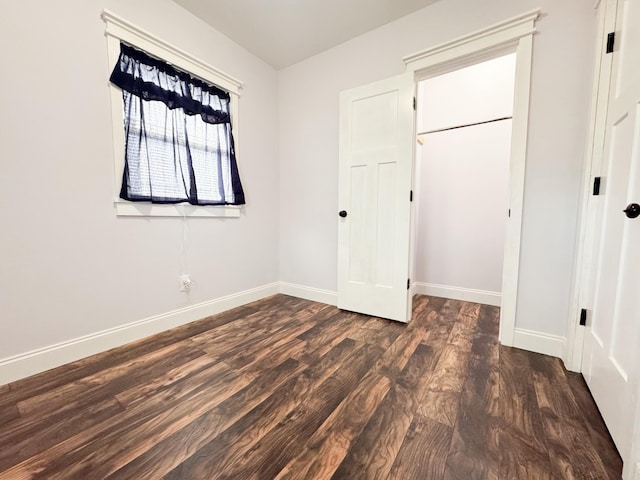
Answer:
(560, 97)
(472, 94)
(70, 266)
(462, 180)
(462, 209)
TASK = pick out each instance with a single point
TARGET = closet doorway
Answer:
(464, 121)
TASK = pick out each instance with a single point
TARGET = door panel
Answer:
(611, 361)
(376, 154)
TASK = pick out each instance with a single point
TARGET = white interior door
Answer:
(610, 360)
(376, 159)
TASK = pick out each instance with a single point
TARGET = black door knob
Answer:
(632, 210)
(342, 213)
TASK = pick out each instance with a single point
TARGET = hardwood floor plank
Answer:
(464, 327)
(562, 419)
(489, 320)
(328, 446)
(441, 406)
(256, 351)
(8, 413)
(33, 386)
(598, 435)
(377, 333)
(373, 453)
(321, 332)
(373, 459)
(107, 382)
(474, 451)
(520, 460)
(246, 336)
(51, 379)
(441, 401)
(397, 355)
(219, 382)
(450, 372)
(517, 401)
(32, 437)
(324, 336)
(290, 388)
(420, 302)
(204, 453)
(262, 322)
(290, 348)
(423, 452)
(440, 320)
(152, 386)
(285, 441)
(234, 336)
(423, 305)
(522, 427)
(120, 446)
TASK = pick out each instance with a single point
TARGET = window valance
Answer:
(152, 79)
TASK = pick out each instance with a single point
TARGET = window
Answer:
(178, 138)
(176, 152)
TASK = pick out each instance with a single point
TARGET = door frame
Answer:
(582, 294)
(509, 36)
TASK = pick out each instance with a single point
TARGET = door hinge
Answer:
(611, 39)
(596, 185)
(408, 283)
(583, 317)
(414, 103)
(411, 195)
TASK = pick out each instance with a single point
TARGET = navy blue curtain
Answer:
(179, 143)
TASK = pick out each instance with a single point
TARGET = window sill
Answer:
(135, 209)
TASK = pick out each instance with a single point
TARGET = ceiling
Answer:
(283, 32)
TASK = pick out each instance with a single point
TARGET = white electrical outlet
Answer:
(185, 282)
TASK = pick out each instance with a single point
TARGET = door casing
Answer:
(513, 35)
(583, 285)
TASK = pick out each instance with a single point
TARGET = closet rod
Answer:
(463, 126)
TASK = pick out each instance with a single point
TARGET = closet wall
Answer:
(462, 180)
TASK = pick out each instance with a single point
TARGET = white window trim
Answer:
(117, 30)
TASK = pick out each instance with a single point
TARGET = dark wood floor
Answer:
(291, 389)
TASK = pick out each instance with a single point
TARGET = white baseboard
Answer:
(36, 361)
(458, 293)
(309, 293)
(538, 342)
